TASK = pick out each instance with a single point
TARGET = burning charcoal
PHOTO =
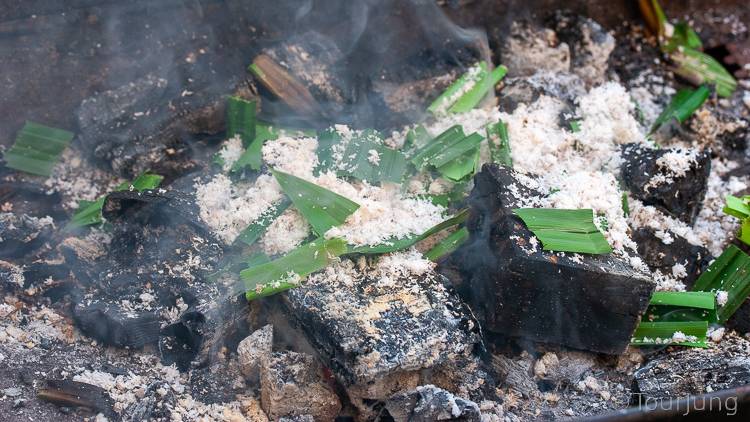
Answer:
(674, 180)
(22, 234)
(590, 302)
(395, 319)
(142, 125)
(77, 394)
(672, 258)
(113, 326)
(590, 46)
(529, 49)
(253, 350)
(526, 90)
(688, 372)
(429, 403)
(291, 384)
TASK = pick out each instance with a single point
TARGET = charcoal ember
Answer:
(143, 124)
(590, 45)
(589, 302)
(292, 384)
(674, 180)
(529, 49)
(526, 90)
(11, 276)
(179, 343)
(253, 350)
(688, 371)
(429, 403)
(663, 257)
(114, 326)
(379, 328)
(77, 394)
(22, 234)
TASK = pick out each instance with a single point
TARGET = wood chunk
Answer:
(77, 394)
(683, 372)
(664, 186)
(253, 350)
(662, 257)
(582, 301)
(378, 332)
(291, 384)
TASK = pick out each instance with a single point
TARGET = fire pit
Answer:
(374, 211)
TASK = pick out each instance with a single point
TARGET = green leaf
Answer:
(575, 126)
(736, 207)
(256, 229)
(321, 208)
(327, 141)
(745, 231)
(448, 245)
(241, 119)
(683, 104)
(462, 167)
(625, 205)
(661, 333)
(37, 149)
(399, 244)
(468, 90)
(257, 259)
(682, 36)
(90, 213)
(421, 156)
(730, 272)
(288, 271)
(479, 90)
(700, 68)
(455, 150)
(565, 230)
(359, 159)
(682, 306)
(499, 143)
(252, 157)
(416, 137)
(703, 300)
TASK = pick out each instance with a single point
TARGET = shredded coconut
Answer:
(722, 297)
(373, 157)
(285, 233)
(231, 152)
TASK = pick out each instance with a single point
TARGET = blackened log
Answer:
(678, 195)
(662, 257)
(684, 372)
(77, 394)
(582, 301)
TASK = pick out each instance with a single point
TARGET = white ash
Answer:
(231, 151)
(285, 233)
(722, 297)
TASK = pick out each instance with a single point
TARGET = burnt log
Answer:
(77, 394)
(590, 302)
(662, 257)
(377, 333)
(687, 372)
(673, 180)
(111, 325)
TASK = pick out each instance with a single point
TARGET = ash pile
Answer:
(132, 274)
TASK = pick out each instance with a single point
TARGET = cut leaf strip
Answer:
(37, 149)
(730, 272)
(499, 143)
(683, 104)
(256, 229)
(663, 333)
(565, 230)
(290, 270)
(448, 245)
(321, 208)
(241, 119)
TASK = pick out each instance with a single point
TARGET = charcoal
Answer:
(114, 326)
(526, 90)
(725, 131)
(253, 349)
(393, 327)
(22, 234)
(429, 403)
(465, 376)
(515, 372)
(77, 394)
(291, 384)
(677, 192)
(11, 276)
(529, 49)
(301, 418)
(589, 302)
(688, 371)
(590, 46)
(563, 368)
(662, 257)
(143, 124)
(31, 198)
(179, 343)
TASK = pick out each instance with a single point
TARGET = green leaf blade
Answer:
(37, 149)
(565, 230)
(499, 143)
(682, 105)
(661, 333)
(255, 230)
(730, 272)
(321, 208)
(448, 245)
(241, 119)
